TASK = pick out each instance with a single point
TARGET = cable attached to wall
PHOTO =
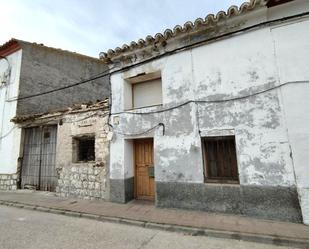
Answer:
(197, 102)
(95, 77)
(209, 101)
(109, 114)
(141, 133)
(109, 71)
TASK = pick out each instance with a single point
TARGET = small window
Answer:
(147, 93)
(220, 163)
(83, 149)
(143, 90)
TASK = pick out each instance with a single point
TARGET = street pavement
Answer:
(27, 229)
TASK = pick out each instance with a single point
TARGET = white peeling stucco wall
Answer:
(230, 68)
(292, 52)
(267, 126)
(9, 134)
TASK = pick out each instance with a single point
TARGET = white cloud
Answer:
(89, 27)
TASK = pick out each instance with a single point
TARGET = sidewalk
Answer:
(146, 214)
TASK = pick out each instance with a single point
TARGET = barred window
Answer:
(220, 162)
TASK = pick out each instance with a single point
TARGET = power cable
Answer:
(110, 72)
(59, 116)
(165, 110)
(141, 133)
(209, 101)
(98, 76)
(11, 130)
(8, 133)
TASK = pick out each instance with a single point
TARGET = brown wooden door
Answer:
(144, 177)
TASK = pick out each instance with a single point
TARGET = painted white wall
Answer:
(221, 70)
(268, 127)
(292, 58)
(10, 135)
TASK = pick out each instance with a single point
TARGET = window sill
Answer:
(142, 108)
(83, 162)
(220, 181)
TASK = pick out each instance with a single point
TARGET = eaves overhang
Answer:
(187, 34)
(9, 47)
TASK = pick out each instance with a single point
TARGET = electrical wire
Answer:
(11, 130)
(208, 101)
(60, 116)
(98, 76)
(48, 122)
(109, 114)
(109, 72)
(141, 133)
(8, 133)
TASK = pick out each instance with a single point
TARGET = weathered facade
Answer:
(86, 179)
(81, 150)
(229, 90)
(30, 76)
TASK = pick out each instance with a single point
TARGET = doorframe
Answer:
(134, 168)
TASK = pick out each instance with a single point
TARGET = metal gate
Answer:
(38, 166)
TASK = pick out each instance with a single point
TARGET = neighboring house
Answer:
(213, 115)
(28, 156)
(78, 150)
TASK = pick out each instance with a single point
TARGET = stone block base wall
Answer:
(121, 190)
(83, 181)
(8, 181)
(266, 202)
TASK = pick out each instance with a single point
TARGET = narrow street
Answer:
(20, 228)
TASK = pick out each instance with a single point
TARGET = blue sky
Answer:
(93, 26)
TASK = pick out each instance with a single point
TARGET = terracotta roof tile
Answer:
(209, 20)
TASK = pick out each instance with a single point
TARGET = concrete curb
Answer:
(273, 240)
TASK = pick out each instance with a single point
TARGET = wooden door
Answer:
(38, 167)
(144, 169)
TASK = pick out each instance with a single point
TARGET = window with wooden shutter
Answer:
(220, 162)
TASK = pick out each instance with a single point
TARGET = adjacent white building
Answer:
(10, 134)
(213, 115)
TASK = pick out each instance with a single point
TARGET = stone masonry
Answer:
(87, 180)
(8, 181)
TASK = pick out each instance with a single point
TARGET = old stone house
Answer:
(213, 115)
(30, 76)
(80, 147)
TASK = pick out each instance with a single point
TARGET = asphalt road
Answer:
(26, 229)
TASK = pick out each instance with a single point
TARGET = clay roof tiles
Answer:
(209, 20)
